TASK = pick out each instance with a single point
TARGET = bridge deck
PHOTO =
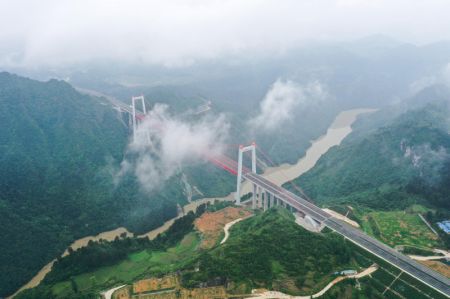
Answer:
(404, 263)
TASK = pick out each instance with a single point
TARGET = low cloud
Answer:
(52, 33)
(446, 74)
(427, 160)
(281, 101)
(165, 143)
(442, 77)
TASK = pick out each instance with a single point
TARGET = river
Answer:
(338, 130)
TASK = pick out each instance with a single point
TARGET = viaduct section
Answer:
(267, 194)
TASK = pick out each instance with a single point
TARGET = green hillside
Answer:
(267, 250)
(392, 167)
(383, 176)
(270, 250)
(57, 148)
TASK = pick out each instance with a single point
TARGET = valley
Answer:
(339, 129)
(224, 149)
(190, 242)
(188, 250)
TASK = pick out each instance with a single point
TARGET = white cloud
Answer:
(177, 32)
(428, 161)
(164, 144)
(446, 74)
(422, 83)
(442, 77)
(281, 100)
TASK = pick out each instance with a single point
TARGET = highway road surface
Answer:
(404, 263)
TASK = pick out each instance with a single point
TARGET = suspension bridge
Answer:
(267, 194)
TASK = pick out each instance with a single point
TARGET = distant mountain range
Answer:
(58, 147)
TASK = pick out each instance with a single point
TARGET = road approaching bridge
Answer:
(265, 190)
(268, 194)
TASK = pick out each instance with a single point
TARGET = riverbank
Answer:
(279, 175)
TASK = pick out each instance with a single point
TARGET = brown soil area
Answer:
(167, 287)
(211, 224)
(123, 293)
(154, 284)
(438, 267)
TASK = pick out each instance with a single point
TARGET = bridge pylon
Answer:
(134, 114)
(242, 150)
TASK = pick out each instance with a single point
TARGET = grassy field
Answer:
(400, 227)
(134, 267)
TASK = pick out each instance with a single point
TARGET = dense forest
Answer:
(60, 155)
(57, 148)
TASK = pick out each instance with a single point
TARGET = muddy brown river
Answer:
(338, 130)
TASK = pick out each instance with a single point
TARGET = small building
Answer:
(346, 272)
(445, 226)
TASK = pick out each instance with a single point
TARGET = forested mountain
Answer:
(57, 148)
(389, 162)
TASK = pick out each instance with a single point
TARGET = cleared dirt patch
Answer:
(155, 284)
(341, 217)
(211, 224)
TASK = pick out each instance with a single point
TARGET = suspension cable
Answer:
(299, 189)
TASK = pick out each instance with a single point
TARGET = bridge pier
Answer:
(262, 199)
(254, 197)
(261, 203)
(314, 218)
(259, 197)
(266, 202)
(134, 114)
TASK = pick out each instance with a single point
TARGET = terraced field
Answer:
(134, 267)
(400, 228)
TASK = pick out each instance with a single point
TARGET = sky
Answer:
(177, 33)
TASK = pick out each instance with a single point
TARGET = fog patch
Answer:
(164, 144)
(50, 33)
(427, 160)
(442, 77)
(446, 74)
(282, 100)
